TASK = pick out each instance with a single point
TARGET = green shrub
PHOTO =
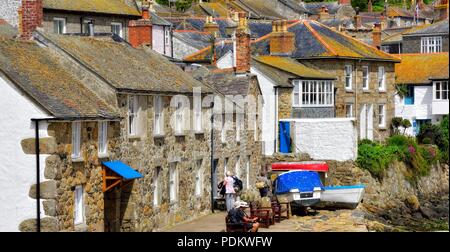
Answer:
(375, 158)
(426, 140)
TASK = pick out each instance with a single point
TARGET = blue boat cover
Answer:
(123, 170)
(304, 181)
(343, 187)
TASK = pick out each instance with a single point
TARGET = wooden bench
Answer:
(235, 227)
(278, 210)
(264, 214)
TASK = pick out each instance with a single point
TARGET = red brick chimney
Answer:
(341, 2)
(376, 35)
(243, 50)
(282, 42)
(140, 31)
(369, 6)
(30, 16)
(323, 14)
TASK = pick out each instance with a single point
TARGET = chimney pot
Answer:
(145, 12)
(282, 42)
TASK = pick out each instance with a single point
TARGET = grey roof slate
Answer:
(436, 28)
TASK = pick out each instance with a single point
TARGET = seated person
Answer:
(238, 216)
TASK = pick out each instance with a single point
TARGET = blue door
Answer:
(285, 137)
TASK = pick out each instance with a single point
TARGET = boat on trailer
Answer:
(300, 188)
(342, 196)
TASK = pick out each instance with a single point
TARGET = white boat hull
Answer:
(350, 196)
(298, 199)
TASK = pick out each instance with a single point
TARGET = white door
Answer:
(370, 121)
(363, 122)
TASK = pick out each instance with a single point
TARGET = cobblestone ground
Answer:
(320, 221)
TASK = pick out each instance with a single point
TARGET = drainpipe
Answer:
(212, 157)
(171, 42)
(38, 185)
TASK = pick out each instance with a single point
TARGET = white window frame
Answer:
(102, 138)
(157, 192)
(158, 117)
(133, 115)
(198, 126)
(239, 120)
(381, 115)
(314, 93)
(173, 183)
(440, 90)
(385, 48)
(76, 140)
(431, 44)
(78, 209)
(117, 24)
(247, 172)
(381, 78)
(166, 36)
(365, 77)
(349, 108)
(348, 77)
(199, 178)
(223, 132)
(179, 118)
(237, 167)
(86, 25)
(296, 94)
(225, 165)
(57, 20)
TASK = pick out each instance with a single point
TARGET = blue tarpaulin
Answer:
(304, 181)
(123, 170)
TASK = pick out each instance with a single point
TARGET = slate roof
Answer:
(314, 7)
(315, 40)
(294, 67)
(228, 84)
(221, 48)
(127, 68)
(421, 68)
(397, 37)
(195, 39)
(117, 7)
(259, 9)
(38, 72)
(294, 5)
(281, 78)
(7, 30)
(436, 28)
(199, 23)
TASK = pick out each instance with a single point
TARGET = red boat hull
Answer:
(316, 166)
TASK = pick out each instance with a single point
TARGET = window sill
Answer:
(77, 160)
(159, 136)
(349, 90)
(200, 132)
(180, 134)
(103, 155)
(366, 91)
(382, 127)
(134, 137)
(382, 91)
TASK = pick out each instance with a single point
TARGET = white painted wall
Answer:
(269, 120)
(325, 138)
(421, 110)
(440, 107)
(17, 169)
(226, 61)
(158, 40)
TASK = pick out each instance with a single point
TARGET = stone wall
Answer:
(8, 11)
(393, 192)
(358, 96)
(284, 103)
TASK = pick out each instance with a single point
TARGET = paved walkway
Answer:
(216, 223)
(320, 221)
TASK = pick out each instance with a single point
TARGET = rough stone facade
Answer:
(102, 23)
(357, 96)
(284, 103)
(8, 11)
(412, 44)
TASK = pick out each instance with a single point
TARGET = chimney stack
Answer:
(140, 31)
(342, 2)
(282, 42)
(376, 36)
(30, 17)
(323, 14)
(357, 18)
(243, 50)
(211, 26)
(369, 6)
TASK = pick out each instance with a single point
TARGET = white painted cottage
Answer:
(426, 77)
